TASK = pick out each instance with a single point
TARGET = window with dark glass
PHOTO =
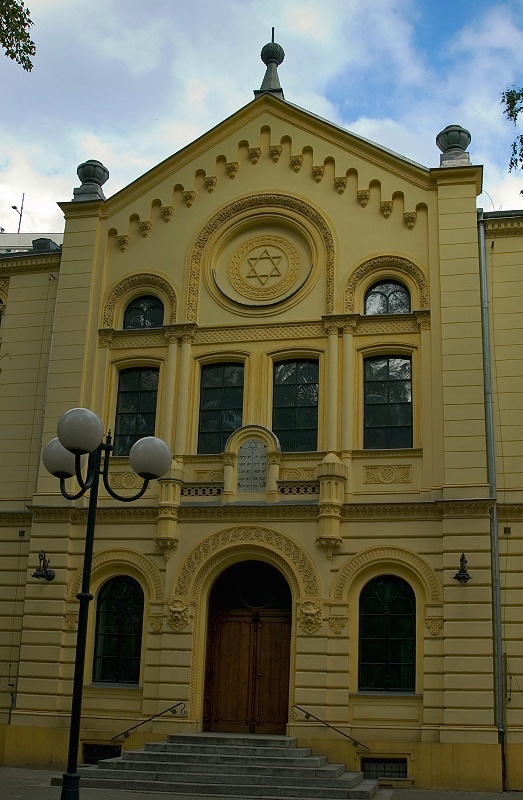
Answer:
(135, 408)
(144, 312)
(295, 405)
(387, 297)
(221, 405)
(388, 403)
(118, 636)
(387, 640)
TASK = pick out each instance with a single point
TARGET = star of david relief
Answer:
(264, 268)
(264, 265)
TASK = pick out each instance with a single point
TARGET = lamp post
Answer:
(80, 431)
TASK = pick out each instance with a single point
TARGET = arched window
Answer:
(118, 637)
(387, 297)
(144, 312)
(387, 642)
(135, 407)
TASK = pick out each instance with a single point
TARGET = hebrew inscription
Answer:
(252, 466)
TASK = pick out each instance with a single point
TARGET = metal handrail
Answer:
(172, 709)
(308, 715)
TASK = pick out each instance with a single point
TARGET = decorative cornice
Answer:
(510, 511)
(19, 266)
(414, 453)
(503, 227)
(77, 516)
(131, 340)
(382, 264)
(397, 323)
(8, 518)
(259, 333)
(274, 512)
(366, 511)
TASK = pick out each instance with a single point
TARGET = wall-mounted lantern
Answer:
(43, 570)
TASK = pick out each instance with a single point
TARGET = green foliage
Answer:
(15, 24)
(512, 100)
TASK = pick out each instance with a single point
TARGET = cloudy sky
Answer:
(129, 82)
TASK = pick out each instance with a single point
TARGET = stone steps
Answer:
(218, 765)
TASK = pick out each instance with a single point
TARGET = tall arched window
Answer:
(118, 637)
(144, 312)
(387, 642)
(387, 297)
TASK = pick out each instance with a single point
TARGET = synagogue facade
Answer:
(326, 335)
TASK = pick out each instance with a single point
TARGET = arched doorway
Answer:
(248, 650)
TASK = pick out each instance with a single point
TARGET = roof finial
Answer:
(272, 55)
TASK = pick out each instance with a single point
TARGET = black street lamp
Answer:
(80, 432)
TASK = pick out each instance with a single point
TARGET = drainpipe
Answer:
(491, 477)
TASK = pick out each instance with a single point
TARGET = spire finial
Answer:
(272, 55)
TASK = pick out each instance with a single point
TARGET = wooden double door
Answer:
(248, 651)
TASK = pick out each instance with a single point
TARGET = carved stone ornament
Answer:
(275, 151)
(145, 226)
(340, 184)
(254, 154)
(123, 242)
(156, 622)
(310, 616)
(167, 545)
(167, 212)
(124, 480)
(296, 163)
(178, 614)
(210, 182)
(318, 172)
(249, 204)
(329, 543)
(71, 620)
(363, 196)
(232, 168)
(264, 268)
(337, 623)
(434, 624)
(409, 218)
(388, 473)
(189, 198)
(386, 208)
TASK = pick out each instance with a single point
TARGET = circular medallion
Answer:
(264, 267)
